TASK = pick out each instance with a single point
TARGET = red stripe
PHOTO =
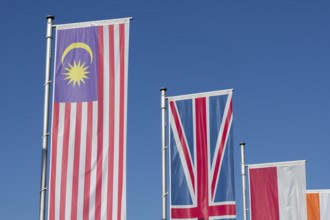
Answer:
(202, 155)
(53, 161)
(224, 136)
(66, 133)
(183, 142)
(121, 118)
(98, 193)
(264, 193)
(111, 121)
(184, 212)
(76, 159)
(88, 160)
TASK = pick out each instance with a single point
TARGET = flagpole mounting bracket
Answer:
(165, 195)
(43, 189)
(48, 83)
(45, 135)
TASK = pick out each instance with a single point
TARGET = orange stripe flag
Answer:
(318, 204)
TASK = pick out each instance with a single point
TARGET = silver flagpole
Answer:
(164, 192)
(243, 180)
(49, 37)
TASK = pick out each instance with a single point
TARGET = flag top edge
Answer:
(318, 191)
(198, 95)
(276, 164)
(92, 23)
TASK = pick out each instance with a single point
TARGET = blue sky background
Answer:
(275, 54)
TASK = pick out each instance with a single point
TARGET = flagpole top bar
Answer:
(50, 16)
(317, 191)
(278, 164)
(203, 94)
(163, 88)
(92, 23)
(242, 143)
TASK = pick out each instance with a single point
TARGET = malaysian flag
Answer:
(201, 156)
(87, 177)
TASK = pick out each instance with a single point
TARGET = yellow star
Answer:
(76, 73)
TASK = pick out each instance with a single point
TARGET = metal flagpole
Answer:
(49, 37)
(164, 192)
(243, 180)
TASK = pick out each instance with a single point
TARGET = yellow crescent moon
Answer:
(75, 46)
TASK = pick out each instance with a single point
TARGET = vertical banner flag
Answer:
(277, 191)
(318, 204)
(201, 156)
(87, 177)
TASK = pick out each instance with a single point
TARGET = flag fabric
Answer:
(201, 156)
(277, 191)
(318, 204)
(87, 177)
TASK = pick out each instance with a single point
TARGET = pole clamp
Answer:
(43, 189)
(48, 82)
(45, 135)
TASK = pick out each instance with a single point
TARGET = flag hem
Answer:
(198, 95)
(317, 191)
(277, 164)
(92, 23)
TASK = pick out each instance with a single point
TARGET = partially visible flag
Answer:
(87, 177)
(277, 191)
(318, 204)
(201, 156)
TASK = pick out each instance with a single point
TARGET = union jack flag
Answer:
(201, 156)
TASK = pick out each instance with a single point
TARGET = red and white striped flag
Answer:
(277, 191)
(88, 147)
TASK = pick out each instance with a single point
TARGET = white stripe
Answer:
(125, 124)
(223, 217)
(81, 181)
(59, 159)
(106, 77)
(194, 159)
(117, 115)
(93, 164)
(170, 164)
(292, 192)
(324, 205)
(184, 219)
(71, 145)
(209, 163)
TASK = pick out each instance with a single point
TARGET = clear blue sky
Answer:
(275, 54)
